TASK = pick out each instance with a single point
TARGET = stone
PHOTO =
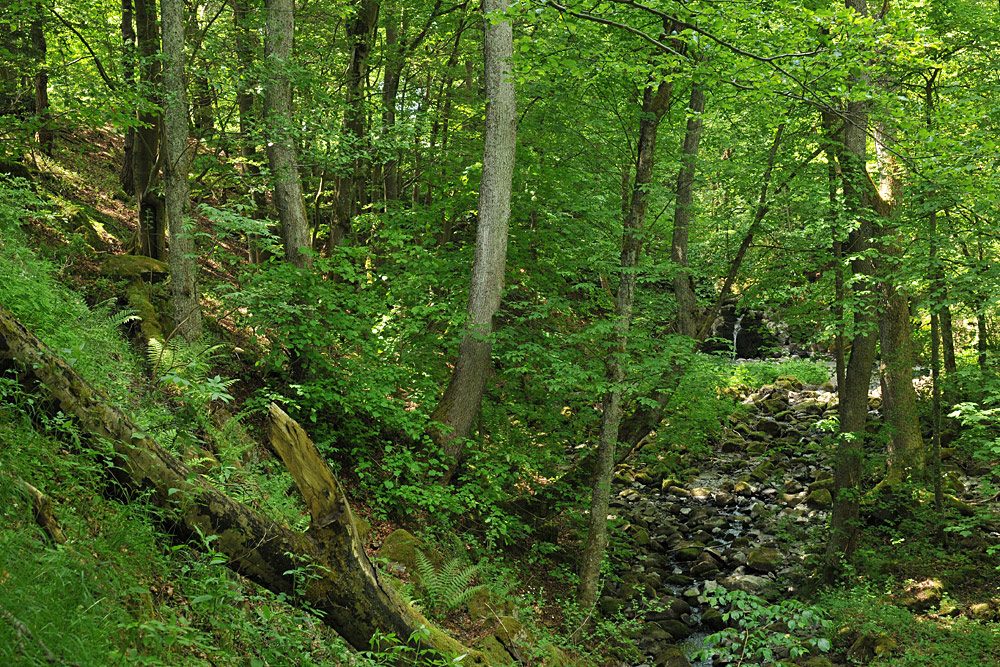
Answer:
(981, 611)
(701, 493)
(922, 596)
(677, 629)
(712, 618)
(820, 499)
(688, 550)
(764, 559)
(671, 656)
(769, 428)
(748, 583)
(134, 266)
(677, 491)
(641, 537)
(401, 547)
(742, 489)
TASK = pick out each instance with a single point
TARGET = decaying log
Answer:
(343, 588)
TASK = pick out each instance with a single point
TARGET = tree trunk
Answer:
(279, 33)
(947, 337)
(853, 393)
(899, 400)
(454, 416)
(395, 61)
(145, 156)
(176, 161)
(687, 306)
(126, 177)
(937, 284)
(38, 45)
(352, 186)
(347, 593)
(655, 100)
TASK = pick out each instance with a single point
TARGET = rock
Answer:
(981, 611)
(769, 428)
(764, 559)
(793, 382)
(742, 489)
(671, 656)
(644, 478)
(922, 596)
(641, 537)
(822, 484)
(820, 499)
(712, 618)
(557, 658)
(676, 629)
(811, 406)
(483, 606)
(688, 550)
(748, 583)
(401, 547)
(701, 493)
(869, 646)
(677, 491)
(134, 266)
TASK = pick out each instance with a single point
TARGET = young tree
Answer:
(655, 100)
(176, 163)
(146, 148)
(453, 418)
(281, 155)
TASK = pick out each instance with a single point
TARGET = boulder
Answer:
(676, 629)
(922, 596)
(401, 547)
(981, 611)
(134, 266)
(712, 619)
(820, 499)
(671, 656)
(764, 559)
(748, 583)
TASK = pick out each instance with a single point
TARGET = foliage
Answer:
(758, 628)
(447, 587)
(759, 373)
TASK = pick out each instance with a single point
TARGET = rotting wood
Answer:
(343, 588)
(42, 510)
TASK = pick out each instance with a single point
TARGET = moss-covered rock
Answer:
(922, 596)
(134, 266)
(820, 499)
(671, 656)
(401, 547)
(496, 654)
(764, 559)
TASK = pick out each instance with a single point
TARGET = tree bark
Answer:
(145, 157)
(176, 162)
(455, 415)
(687, 306)
(39, 46)
(347, 593)
(899, 400)
(853, 393)
(279, 34)
(655, 100)
(126, 177)
(352, 186)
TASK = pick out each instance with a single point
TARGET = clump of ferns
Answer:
(446, 588)
(184, 367)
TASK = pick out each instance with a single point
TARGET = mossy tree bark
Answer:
(455, 415)
(343, 588)
(655, 100)
(176, 161)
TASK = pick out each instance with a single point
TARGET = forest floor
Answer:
(748, 516)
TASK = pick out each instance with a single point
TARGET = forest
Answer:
(615, 333)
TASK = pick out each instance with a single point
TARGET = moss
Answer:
(133, 266)
(401, 547)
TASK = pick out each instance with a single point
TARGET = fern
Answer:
(449, 587)
(186, 367)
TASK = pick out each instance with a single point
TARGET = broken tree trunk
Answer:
(343, 588)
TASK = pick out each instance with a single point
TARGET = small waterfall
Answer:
(737, 327)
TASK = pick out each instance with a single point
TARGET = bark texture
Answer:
(655, 100)
(146, 149)
(687, 306)
(125, 177)
(349, 594)
(456, 413)
(281, 156)
(40, 48)
(176, 161)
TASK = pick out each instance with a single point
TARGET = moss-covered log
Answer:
(343, 588)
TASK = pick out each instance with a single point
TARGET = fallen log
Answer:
(42, 510)
(343, 587)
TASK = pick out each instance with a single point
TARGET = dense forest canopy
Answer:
(614, 332)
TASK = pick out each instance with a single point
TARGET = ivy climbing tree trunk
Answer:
(455, 415)
(655, 100)
(176, 162)
(281, 157)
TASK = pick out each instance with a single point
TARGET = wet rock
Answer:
(748, 583)
(742, 489)
(764, 559)
(676, 629)
(701, 493)
(712, 619)
(687, 551)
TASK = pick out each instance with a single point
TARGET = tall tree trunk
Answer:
(456, 413)
(947, 336)
(899, 400)
(176, 163)
(937, 284)
(279, 33)
(146, 151)
(352, 187)
(854, 392)
(655, 100)
(395, 61)
(687, 306)
(245, 46)
(126, 177)
(348, 593)
(38, 45)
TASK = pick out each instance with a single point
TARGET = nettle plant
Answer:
(761, 632)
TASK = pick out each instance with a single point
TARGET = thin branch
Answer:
(86, 44)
